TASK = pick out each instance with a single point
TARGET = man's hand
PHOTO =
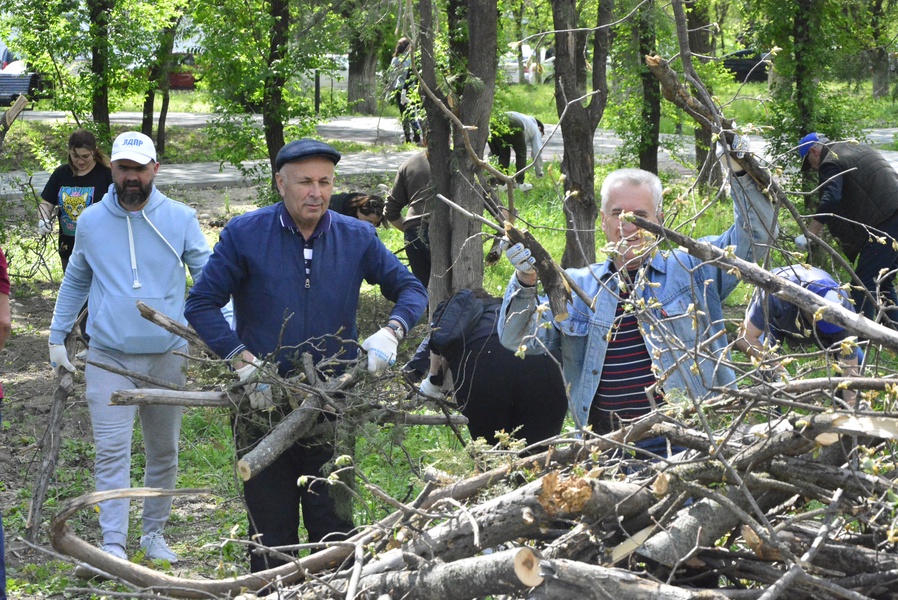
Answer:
(523, 262)
(381, 348)
(431, 390)
(801, 242)
(44, 227)
(59, 358)
(739, 148)
(259, 393)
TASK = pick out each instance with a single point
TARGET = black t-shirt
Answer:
(74, 193)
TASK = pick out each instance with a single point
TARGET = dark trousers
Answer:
(875, 257)
(417, 249)
(410, 127)
(502, 145)
(274, 499)
(497, 391)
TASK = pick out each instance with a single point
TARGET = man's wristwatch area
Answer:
(398, 330)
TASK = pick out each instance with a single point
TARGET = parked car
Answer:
(534, 72)
(183, 72)
(747, 65)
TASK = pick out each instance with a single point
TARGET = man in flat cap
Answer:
(859, 206)
(131, 247)
(295, 270)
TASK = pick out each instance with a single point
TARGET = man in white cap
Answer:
(131, 247)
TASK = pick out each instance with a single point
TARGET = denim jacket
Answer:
(678, 300)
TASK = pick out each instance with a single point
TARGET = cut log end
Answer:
(526, 567)
(244, 470)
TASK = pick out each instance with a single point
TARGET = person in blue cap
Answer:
(295, 270)
(770, 321)
(859, 206)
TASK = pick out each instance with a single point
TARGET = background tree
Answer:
(466, 86)
(261, 58)
(56, 36)
(579, 116)
(368, 24)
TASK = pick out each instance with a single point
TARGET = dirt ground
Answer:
(29, 386)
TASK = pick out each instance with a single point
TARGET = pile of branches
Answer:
(799, 507)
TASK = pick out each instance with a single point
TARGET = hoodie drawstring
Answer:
(136, 283)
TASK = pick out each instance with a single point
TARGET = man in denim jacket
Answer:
(657, 328)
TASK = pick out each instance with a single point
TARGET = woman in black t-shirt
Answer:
(72, 188)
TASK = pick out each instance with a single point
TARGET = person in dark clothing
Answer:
(859, 205)
(770, 321)
(402, 80)
(412, 190)
(361, 206)
(72, 187)
(297, 292)
(515, 132)
(496, 390)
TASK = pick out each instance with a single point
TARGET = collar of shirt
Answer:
(287, 223)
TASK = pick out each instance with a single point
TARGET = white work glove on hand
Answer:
(739, 147)
(259, 393)
(381, 348)
(403, 97)
(431, 390)
(520, 258)
(59, 358)
(44, 226)
(801, 242)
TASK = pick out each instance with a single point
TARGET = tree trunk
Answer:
(99, 11)
(578, 122)
(651, 93)
(272, 103)
(456, 247)
(701, 43)
(362, 80)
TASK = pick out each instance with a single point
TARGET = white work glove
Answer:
(431, 390)
(739, 147)
(801, 242)
(44, 226)
(259, 393)
(403, 97)
(381, 348)
(59, 358)
(519, 256)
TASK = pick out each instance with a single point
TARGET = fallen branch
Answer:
(50, 443)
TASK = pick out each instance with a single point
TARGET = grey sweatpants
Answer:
(113, 427)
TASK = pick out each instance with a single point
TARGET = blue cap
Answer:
(805, 143)
(303, 149)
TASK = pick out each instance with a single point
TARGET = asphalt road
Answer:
(375, 131)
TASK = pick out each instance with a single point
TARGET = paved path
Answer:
(375, 131)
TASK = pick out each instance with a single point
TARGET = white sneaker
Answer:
(525, 186)
(154, 547)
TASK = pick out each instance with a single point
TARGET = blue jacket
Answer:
(259, 261)
(681, 312)
(121, 257)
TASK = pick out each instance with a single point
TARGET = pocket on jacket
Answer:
(119, 326)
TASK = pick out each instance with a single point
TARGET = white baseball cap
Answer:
(133, 145)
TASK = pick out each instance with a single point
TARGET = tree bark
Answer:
(361, 84)
(579, 118)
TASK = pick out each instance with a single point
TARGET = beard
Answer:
(132, 198)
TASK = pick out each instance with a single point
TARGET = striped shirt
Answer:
(626, 374)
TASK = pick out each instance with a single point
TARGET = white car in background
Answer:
(535, 71)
